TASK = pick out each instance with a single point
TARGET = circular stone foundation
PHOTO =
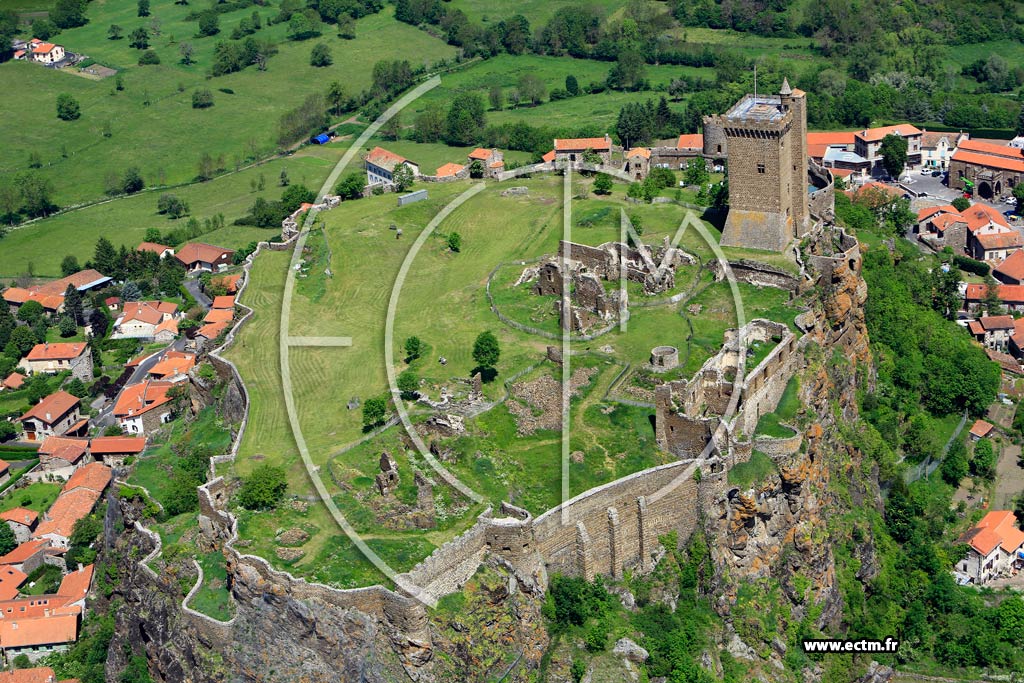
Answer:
(664, 358)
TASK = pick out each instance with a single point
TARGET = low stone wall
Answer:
(775, 447)
(757, 273)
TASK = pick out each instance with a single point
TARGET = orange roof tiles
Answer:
(690, 141)
(54, 630)
(22, 516)
(1000, 240)
(497, 164)
(224, 301)
(169, 325)
(990, 160)
(876, 134)
(143, 311)
(196, 252)
(175, 365)
(989, 148)
(996, 322)
(57, 351)
(228, 282)
(582, 144)
(10, 581)
(449, 170)
(64, 448)
(37, 674)
(69, 507)
(976, 327)
(211, 330)
(78, 280)
(117, 445)
(43, 48)
(831, 139)
(56, 405)
(75, 585)
(24, 551)
(981, 428)
(378, 156)
(219, 315)
(95, 476)
(996, 529)
(932, 210)
(141, 398)
(1006, 293)
(481, 154)
(639, 152)
(153, 247)
(15, 380)
(548, 157)
(1013, 266)
(979, 215)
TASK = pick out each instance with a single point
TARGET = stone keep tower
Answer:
(767, 142)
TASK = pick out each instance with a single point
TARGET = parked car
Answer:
(925, 171)
(936, 174)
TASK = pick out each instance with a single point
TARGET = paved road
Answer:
(106, 417)
(194, 287)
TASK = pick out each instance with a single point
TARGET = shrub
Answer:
(320, 56)
(67, 107)
(971, 266)
(149, 57)
(264, 488)
(201, 99)
(455, 241)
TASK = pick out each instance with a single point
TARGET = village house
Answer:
(144, 407)
(994, 245)
(198, 256)
(44, 52)
(39, 636)
(228, 283)
(938, 148)
(77, 499)
(211, 331)
(453, 171)
(51, 294)
(491, 160)
(113, 303)
(1010, 296)
(160, 250)
(38, 674)
(381, 164)
(980, 429)
(994, 545)
(223, 301)
(113, 450)
(55, 415)
(638, 162)
(41, 624)
(219, 315)
(575, 149)
(167, 331)
(63, 454)
(989, 169)
(1011, 271)
(13, 382)
(51, 358)
(173, 367)
(993, 331)
(28, 556)
(978, 230)
(867, 143)
(11, 579)
(140, 319)
(22, 522)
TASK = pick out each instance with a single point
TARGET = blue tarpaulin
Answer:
(322, 139)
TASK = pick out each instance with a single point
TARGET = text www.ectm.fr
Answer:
(862, 645)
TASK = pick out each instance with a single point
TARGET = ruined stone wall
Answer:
(757, 273)
(763, 386)
(821, 200)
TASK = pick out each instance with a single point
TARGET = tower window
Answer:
(760, 168)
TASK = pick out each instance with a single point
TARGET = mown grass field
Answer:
(538, 12)
(166, 137)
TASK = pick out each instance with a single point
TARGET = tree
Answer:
(1018, 193)
(132, 181)
(149, 57)
(961, 203)
(414, 348)
(403, 177)
(35, 193)
(454, 242)
(603, 184)
(67, 327)
(131, 292)
(30, 311)
(351, 186)
(171, 205)
(408, 383)
(983, 464)
(336, 97)
(430, 124)
(303, 25)
(43, 29)
(21, 342)
(186, 51)
(629, 71)
(264, 488)
(531, 88)
(282, 179)
(465, 121)
(572, 86)
(894, 154)
(143, 8)
(486, 350)
(209, 23)
(73, 306)
(67, 107)
(295, 196)
(496, 97)
(346, 26)
(320, 55)
(696, 172)
(374, 410)
(139, 39)
(7, 431)
(202, 99)
(7, 540)
(954, 466)
(115, 32)
(69, 266)
(104, 257)
(68, 14)
(1020, 122)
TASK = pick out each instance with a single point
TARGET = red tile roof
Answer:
(981, 428)
(497, 164)
(211, 330)
(990, 148)
(996, 529)
(79, 280)
(876, 134)
(1006, 293)
(219, 315)
(979, 215)
(548, 157)
(990, 160)
(64, 448)
(95, 476)
(57, 351)
(53, 630)
(996, 322)
(153, 247)
(481, 154)
(15, 380)
(10, 581)
(1013, 266)
(169, 325)
(690, 141)
(639, 152)
(1000, 240)
(75, 585)
(976, 328)
(449, 170)
(831, 139)
(582, 144)
(932, 210)
(117, 445)
(43, 48)
(25, 551)
(171, 366)
(229, 282)
(224, 301)
(196, 252)
(22, 516)
(55, 405)
(141, 398)
(378, 156)
(38, 674)
(69, 507)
